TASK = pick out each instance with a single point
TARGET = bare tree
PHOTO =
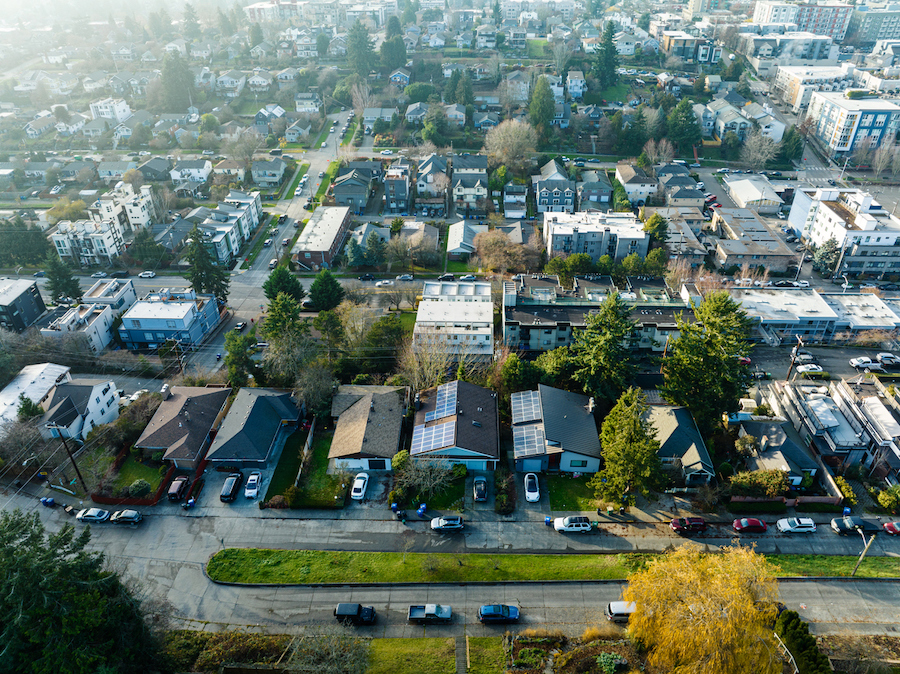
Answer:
(243, 148)
(329, 649)
(758, 150)
(495, 68)
(665, 150)
(562, 53)
(862, 152)
(425, 477)
(883, 154)
(399, 250)
(441, 183)
(392, 296)
(315, 387)
(895, 161)
(424, 150)
(511, 144)
(357, 320)
(497, 253)
(361, 95)
(355, 292)
(288, 353)
(508, 97)
(650, 149)
(423, 362)
(674, 63)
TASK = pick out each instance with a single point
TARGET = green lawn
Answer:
(326, 181)
(319, 488)
(449, 499)
(570, 493)
(457, 266)
(486, 655)
(408, 321)
(288, 465)
(322, 137)
(407, 656)
(132, 470)
(535, 48)
(313, 566)
(348, 137)
(290, 193)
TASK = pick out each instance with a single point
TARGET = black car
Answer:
(831, 182)
(122, 273)
(851, 524)
(890, 286)
(39, 274)
(446, 277)
(366, 277)
(480, 489)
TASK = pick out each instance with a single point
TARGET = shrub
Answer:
(293, 496)
(608, 662)
(163, 469)
(400, 460)
(744, 508)
(726, 469)
(763, 410)
(795, 634)
(529, 658)
(608, 631)
(157, 457)
(768, 483)
(889, 499)
(846, 491)
(398, 496)
(240, 647)
(459, 472)
(139, 488)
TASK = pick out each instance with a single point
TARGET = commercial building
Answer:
(322, 238)
(179, 315)
(21, 304)
(753, 192)
(456, 319)
(597, 234)
(744, 239)
(795, 85)
(868, 24)
(841, 122)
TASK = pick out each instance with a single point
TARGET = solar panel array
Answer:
(426, 438)
(446, 402)
(528, 440)
(526, 406)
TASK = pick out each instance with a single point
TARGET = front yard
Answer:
(570, 493)
(406, 656)
(319, 489)
(132, 470)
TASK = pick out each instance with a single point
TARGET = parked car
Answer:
(387, 153)
(851, 524)
(532, 488)
(354, 614)
(132, 517)
(360, 482)
(446, 277)
(572, 524)
(99, 274)
(240, 326)
(251, 489)
(429, 613)
(39, 274)
(686, 525)
(122, 273)
(749, 525)
(384, 283)
(696, 165)
(365, 277)
(231, 487)
(892, 528)
(92, 515)
(177, 488)
(405, 277)
(467, 277)
(809, 367)
(796, 525)
(267, 242)
(885, 358)
(498, 613)
(862, 361)
(479, 489)
(147, 274)
(321, 174)
(447, 523)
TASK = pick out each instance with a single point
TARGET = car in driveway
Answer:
(809, 367)
(360, 483)
(99, 274)
(251, 489)
(479, 489)
(92, 515)
(687, 525)
(749, 525)
(498, 613)
(796, 525)
(405, 277)
(147, 274)
(132, 517)
(892, 528)
(532, 488)
(572, 524)
(852, 524)
(447, 523)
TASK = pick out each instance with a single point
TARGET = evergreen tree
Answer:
(542, 106)
(60, 282)
(205, 275)
(177, 83)
(633, 138)
(237, 357)
(452, 86)
(684, 129)
(281, 280)
(465, 94)
(191, 30)
(435, 127)
(826, 257)
(658, 228)
(375, 249)
(322, 44)
(356, 255)
(360, 57)
(282, 317)
(145, 250)
(393, 53)
(607, 60)
(383, 343)
(393, 27)
(791, 146)
(325, 292)
(226, 28)
(256, 34)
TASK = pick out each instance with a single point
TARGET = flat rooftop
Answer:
(861, 311)
(175, 309)
(436, 311)
(323, 228)
(784, 305)
(10, 289)
(438, 289)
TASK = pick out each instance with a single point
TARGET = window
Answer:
(577, 464)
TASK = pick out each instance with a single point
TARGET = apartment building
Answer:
(795, 85)
(179, 315)
(133, 210)
(21, 304)
(596, 234)
(117, 294)
(841, 122)
(93, 321)
(823, 18)
(88, 242)
(744, 239)
(116, 110)
(457, 319)
(228, 227)
(322, 237)
(870, 23)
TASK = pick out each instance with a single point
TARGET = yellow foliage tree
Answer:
(706, 612)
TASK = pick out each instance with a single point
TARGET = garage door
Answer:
(531, 465)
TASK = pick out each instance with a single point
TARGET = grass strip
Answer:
(253, 565)
(486, 655)
(293, 188)
(250, 258)
(412, 656)
(326, 180)
(348, 137)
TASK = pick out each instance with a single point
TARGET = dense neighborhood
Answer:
(425, 270)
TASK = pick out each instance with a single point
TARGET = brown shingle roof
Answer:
(475, 405)
(183, 421)
(369, 427)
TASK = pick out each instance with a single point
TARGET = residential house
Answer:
(352, 189)
(625, 43)
(637, 184)
(115, 109)
(268, 173)
(267, 116)
(262, 50)
(432, 178)
(415, 113)
(178, 46)
(180, 315)
(682, 449)
(554, 430)
(113, 171)
(732, 120)
(38, 127)
(69, 172)
(514, 197)
(464, 39)
(231, 83)
(35, 382)
(470, 191)
(517, 38)
(94, 81)
(371, 115)
(397, 191)
(486, 36)
(197, 170)
(518, 85)
(775, 450)
(123, 130)
(456, 114)
(595, 192)
(400, 77)
(576, 84)
(449, 68)
(74, 408)
(457, 424)
(71, 126)
(184, 424)
(461, 239)
(256, 423)
(552, 170)
(229, 167)
(156, 169)
(286, 78)
(562, 114)
(485, 121)
(308, 103)
(368, 422)
(555, 196)
(260, 82)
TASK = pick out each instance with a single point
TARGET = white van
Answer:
(679, 161)
(619, 611)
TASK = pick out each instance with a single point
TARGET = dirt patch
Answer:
(874, 648)
(531, 651)
(583, 659)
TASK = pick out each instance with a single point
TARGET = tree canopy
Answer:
(607, 60)
(542, 106)
(281, 280)
(325, 292)
(359, 49)
(177, 83)
(205, 275)
(60, 281)
(683, 127)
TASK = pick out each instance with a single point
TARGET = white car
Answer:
(862, 361)
(387, 153)
(796, 525)
(56, 189)
(405, 277)
(722, 170)
(802, 284)
(576, 524)
(99, 274)
(92, 515)
(532, 488)
(360, 482)
(810, 368)
(251, 489)
(147, 274)
(384, 284)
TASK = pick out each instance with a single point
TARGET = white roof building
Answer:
(456, 318)
(597, 234)
(36, 382)
(755, 193)
(322, 237)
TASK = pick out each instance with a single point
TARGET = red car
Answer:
(716, 205)
(686, 525)
(749, 525)
(892, 528)
(743, 360)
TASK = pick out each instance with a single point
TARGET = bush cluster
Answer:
(846, 491)
(889, 499)
(802, 645)
(505, 490)
(760, 483)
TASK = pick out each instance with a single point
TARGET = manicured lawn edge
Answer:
(406, 656)
(309, 567)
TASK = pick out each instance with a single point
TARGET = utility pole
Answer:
(865, 550)
(794, 351)
(72, 459)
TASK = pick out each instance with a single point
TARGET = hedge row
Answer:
(802, 645)
(744, 508)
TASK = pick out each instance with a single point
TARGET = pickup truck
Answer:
(354, 614)
(430, 613)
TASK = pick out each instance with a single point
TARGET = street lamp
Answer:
(846, 283)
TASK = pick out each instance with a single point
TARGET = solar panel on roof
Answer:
(528, 440)
(426, 438)
(446, 402)
(526, 406)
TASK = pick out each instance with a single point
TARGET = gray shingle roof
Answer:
(568, 422)
(679, 438)
(249, 429)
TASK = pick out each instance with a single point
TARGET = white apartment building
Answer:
(821, 18)
(228, 227)
(795, 84)
(842, 122)
(89, 242)
(111, 108)
(117, 294)
(596, 234)
(868, 237)
(458, 319)
(133, 210)
(91, 320)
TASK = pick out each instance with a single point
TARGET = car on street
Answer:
(749, 525)
(324, 145)
(405, 277)
(447, 523)
(687, 525)
(744, 360)
(446, 277)
(811, 367)
(722, 170)
(99, 274)
(384, 283)
(365, 277)
(39, 274)
(796, 525)
(852, 524)
(802, 284)
(886, 358)
(267, 242)
(321, 174)
(498, 613)
(892, 528)
(716, 205)
(785, 284)
(132, 517)
(890, 286)
(861, 361)
(122, 273)
(572, 524)
(251, 489)
(695, 165)
(479, 489)
(92, 515)
(831, 182)
(147, 274)
(532, 488)
(240, 326)
(387, 153)
(468, 277)
(780, 215)
(360, 482)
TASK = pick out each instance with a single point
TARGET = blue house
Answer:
(180, 315)
(400, 77)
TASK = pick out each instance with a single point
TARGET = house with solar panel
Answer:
(554, 430)
(457, 424)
